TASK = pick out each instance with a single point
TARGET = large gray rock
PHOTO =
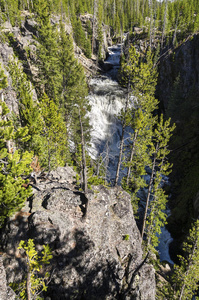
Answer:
(6, 293)
(96, 255)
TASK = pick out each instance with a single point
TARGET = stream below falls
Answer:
(107, 98)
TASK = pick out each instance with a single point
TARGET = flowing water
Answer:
(107, 98)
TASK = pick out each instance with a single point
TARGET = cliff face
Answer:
(178, 91)
(183, 61)
(96, 255)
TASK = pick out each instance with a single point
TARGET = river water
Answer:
(107, 98)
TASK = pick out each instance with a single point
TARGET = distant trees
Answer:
(175, 19)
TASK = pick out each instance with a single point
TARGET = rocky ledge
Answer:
(96, 255)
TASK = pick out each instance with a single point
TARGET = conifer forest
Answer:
(99, 149)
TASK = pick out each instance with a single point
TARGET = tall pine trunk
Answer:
(122, 137)
(84, 171)
(94, 27)
(28, 282)
(131, 157)
(149, 191)
(150, 27)
(164, 24)
(188, 269)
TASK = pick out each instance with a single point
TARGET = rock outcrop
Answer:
(5, 291)
(94, 257)
(106, 34)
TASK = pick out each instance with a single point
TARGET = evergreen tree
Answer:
(14, 163)
(34, 283)
(99, 28)
(156, 199)
(141, 76)
(74, 102)
(29, 112)
(79, 34)
(47, 52)
(184, 281)
(55, 148)
(186, 275)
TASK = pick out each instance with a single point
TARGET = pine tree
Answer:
(47, 52)
(164, 24)
(14, 164)
(35, 283)
(186, 275)
(99, 28)
(29, 113)
(142, 77)
(156, 199)
(55, 148)
(74, 102)
(183, 283)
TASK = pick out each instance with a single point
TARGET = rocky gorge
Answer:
(95, 242)
(94, 238)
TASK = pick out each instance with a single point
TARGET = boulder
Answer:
(5, 291)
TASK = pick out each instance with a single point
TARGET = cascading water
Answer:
(107, 98)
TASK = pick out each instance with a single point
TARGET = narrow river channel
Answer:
(107, 98)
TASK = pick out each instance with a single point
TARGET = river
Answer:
(107, 98)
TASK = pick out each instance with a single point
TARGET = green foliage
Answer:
(126, 237)
(182, 15)
(55, 148)
(186, 276)
(141, 76)
(80, 37)
(96, 172)
(160, 167)
(47, 53)
(184, 281)
(148, 143)
(34, 284)
(14, 164)
(29, 112)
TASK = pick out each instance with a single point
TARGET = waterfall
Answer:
(107, 98)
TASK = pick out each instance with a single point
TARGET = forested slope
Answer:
(48, 50)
